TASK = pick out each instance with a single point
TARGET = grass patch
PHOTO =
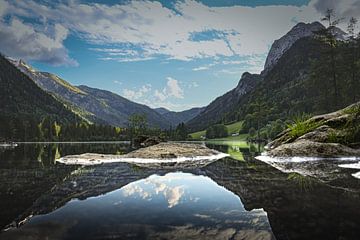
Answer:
(302, 125)
(197, 135)
(232, 128)
(240, 144)
(354, 110)
(241, 137)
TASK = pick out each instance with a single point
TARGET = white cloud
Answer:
(137, 94)
(230, 71)
(205, 67)
(166, 96)
(3, 7)
(193, 85)
(21, 40)
(153, 186)
(160, 95)
(173, 88)
(143, 30)
(146, 29)
(201, 68)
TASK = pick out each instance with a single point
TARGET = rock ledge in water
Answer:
(156, 155)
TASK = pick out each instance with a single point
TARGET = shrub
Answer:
(217, 131)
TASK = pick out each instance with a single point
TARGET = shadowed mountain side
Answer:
(116, 110)
(20, 97)
(225, 104)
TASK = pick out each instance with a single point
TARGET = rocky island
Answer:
(166, 154)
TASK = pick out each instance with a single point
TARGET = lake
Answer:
(237, 197)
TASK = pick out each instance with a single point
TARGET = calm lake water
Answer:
(237, 197)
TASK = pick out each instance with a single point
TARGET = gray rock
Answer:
(308, 148)
(319, 142)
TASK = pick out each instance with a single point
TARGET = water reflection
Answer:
(237, 150)
(44, 155)
(28, 171)
(175, 205)
(228, 199)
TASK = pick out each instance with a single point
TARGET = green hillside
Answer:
(232, 128)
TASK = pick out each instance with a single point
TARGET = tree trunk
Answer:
(336, 93)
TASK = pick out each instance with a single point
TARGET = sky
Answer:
(173, 54)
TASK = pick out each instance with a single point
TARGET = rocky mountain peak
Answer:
(247, 83)
(280, 46)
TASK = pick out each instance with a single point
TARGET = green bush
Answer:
(217, 131)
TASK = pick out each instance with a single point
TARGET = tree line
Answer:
(30, 129)
(26, 128)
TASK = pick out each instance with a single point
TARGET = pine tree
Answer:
(328, 37)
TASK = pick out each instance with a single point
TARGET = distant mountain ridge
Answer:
(161, 110)
(179, 117)
(94, 105)
(100, 106)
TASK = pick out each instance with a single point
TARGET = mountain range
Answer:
(178, 117)
(100, 106)
(279, 89)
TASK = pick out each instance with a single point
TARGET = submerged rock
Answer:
(160, 155)
(308, 148)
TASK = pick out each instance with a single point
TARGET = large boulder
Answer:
(327, 135)
(145, 141)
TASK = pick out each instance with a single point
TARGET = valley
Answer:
(180, 120)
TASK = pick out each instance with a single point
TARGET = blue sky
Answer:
(173, 54)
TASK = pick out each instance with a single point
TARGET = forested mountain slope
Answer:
(20, 97)
(310, 77)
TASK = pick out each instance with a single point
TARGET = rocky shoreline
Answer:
(328, 137)
(159, 155)
(327, 149)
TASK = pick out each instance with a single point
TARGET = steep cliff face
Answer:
(280, 46)
(215, 111)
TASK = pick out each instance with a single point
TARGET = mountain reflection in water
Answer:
(228, 199)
